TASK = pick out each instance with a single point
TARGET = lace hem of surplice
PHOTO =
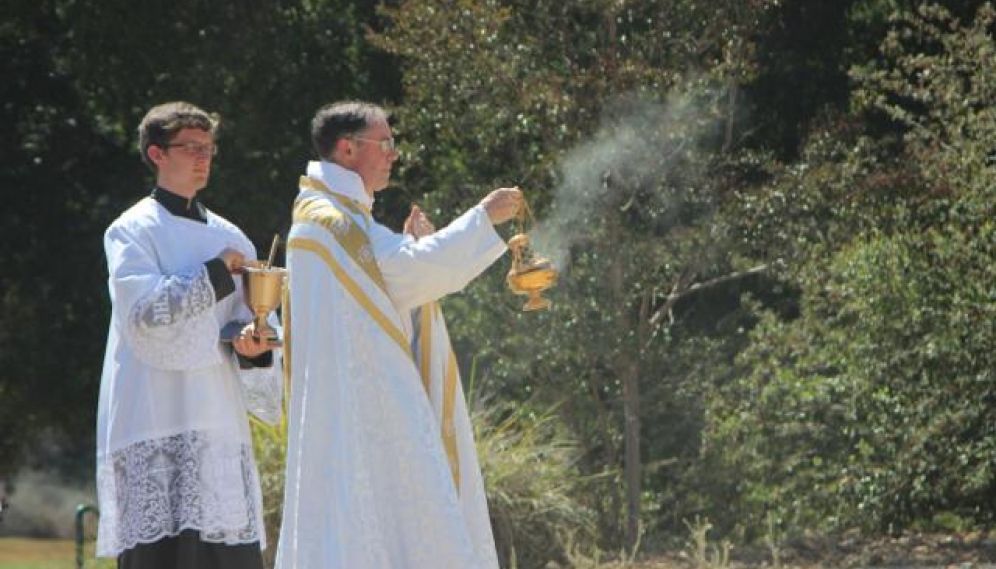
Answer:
(154, 489)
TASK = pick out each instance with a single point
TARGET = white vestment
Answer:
(173, 444)
(381, 466)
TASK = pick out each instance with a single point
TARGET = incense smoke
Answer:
(638, 143)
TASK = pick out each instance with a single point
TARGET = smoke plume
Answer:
(635, 145)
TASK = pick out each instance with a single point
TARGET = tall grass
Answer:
(528, 461)
(270, 447)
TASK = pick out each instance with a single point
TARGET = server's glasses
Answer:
(195, 148)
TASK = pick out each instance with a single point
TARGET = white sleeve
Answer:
(167, 320)
(425, 270)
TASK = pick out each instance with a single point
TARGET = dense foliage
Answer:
(80, 75)
(773, 221)
(876, 403)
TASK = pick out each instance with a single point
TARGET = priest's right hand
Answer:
(502, 204)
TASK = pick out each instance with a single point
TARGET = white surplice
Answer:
(173, 444)
(370, 482)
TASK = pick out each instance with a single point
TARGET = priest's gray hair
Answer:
(342, 120)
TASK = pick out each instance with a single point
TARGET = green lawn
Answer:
(26, 553)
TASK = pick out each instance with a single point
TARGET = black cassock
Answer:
(187, 551)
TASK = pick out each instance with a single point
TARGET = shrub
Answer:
(529, 472)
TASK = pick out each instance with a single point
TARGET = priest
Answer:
(381, 465)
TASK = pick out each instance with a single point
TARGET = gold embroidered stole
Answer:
(427, 323)
(356, 244)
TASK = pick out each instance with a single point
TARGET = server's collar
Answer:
(180, 206)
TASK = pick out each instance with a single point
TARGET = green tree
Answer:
(873, 407)
(82, 75)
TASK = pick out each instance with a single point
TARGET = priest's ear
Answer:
(343, 150)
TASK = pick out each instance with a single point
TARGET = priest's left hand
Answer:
(418, 225)
(251, 344)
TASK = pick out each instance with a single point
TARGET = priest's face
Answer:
(373, 156)
(184, 165)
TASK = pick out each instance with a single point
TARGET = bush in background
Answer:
(528, 461)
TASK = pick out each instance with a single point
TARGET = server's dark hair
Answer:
(162, 122)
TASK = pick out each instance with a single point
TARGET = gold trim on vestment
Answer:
(447, 427)
(425, 351)
(354, 289)
(352, 205)
(345, 231)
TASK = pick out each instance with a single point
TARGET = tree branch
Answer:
(676, 295)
